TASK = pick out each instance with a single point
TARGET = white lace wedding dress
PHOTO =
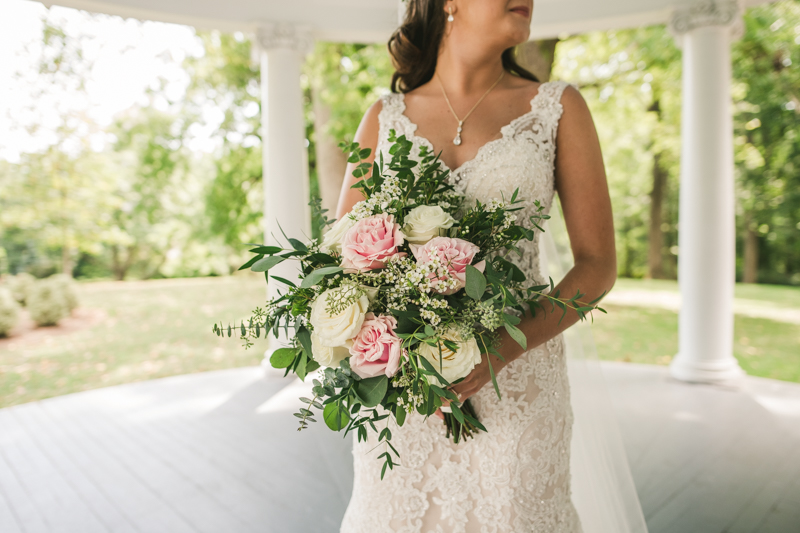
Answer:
(516, 477)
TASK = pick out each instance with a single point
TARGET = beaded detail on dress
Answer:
(516, 477)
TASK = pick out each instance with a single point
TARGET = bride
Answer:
(458, 90)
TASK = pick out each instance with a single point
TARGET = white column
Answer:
(706, 239)
(282, 48)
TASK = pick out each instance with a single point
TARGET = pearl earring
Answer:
(450, 17)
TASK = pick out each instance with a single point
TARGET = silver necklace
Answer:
(457, 139)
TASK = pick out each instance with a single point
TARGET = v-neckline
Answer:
(411, 130)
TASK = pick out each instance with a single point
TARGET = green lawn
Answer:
(635, 334)
(161, 328)
(152, 329)
(775, 295)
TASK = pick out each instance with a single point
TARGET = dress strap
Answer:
(391, 114)
(550, 92)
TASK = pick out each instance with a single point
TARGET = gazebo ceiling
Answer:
(374, 20)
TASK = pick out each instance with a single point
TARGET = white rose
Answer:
(425, 222)
(455, 365)
(336, 329)
(327, 355)
(332, 241)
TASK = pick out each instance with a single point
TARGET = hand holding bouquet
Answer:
(401, 298)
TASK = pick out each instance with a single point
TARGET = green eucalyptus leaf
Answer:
(266, 263)
(282, 357)
(476, 283)
(321, 258)
(457, 413)
(301, 370)
(283, 280)
(304, 336)
(517, 335)
(252, 261)
(297, 245)
(267, 250)
(372, 390)
(335, 417)
(400, 415)
(316, 276)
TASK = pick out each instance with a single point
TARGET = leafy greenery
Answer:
(422, 296)
(631, 80)
(763, 348)
(767, 135)
(149, 205)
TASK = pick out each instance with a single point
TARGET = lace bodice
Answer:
(524, 157)
(515, 478)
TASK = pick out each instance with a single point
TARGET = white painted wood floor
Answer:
(218, 452)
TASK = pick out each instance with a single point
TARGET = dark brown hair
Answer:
(414, 46)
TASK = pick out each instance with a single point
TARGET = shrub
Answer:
(20, 286)
(46, 303)
(67, 285)
(9, 311)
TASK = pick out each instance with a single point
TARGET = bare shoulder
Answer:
(371, 114)
(367, 133)
(576, 110)
(374, 109)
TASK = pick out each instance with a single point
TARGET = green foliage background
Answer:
(150, 206)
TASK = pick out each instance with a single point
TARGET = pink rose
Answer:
(376, 348)
(370, 243)
(454, 256)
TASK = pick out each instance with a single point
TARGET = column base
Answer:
(724, 372)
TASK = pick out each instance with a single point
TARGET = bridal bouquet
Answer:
(400, 299)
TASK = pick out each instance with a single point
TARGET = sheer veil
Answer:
(602, 486)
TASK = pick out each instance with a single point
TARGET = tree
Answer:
(225, 78)
(631, 81)
(55, 205)
(767, 140)
(154, 167)
(344, 80)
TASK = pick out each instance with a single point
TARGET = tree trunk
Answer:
(66, 253)
(331, 161)
(655, 259)
(66, 259)
(115, 263)
(538, 57)
(628, 263)
(750, 271)
(119, 267)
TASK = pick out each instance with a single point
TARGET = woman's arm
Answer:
(583, 190)
(367, 137)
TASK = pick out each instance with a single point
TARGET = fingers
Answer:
(439, 414)
(458, 390)
(462, 389)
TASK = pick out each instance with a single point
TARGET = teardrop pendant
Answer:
(457, 140)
